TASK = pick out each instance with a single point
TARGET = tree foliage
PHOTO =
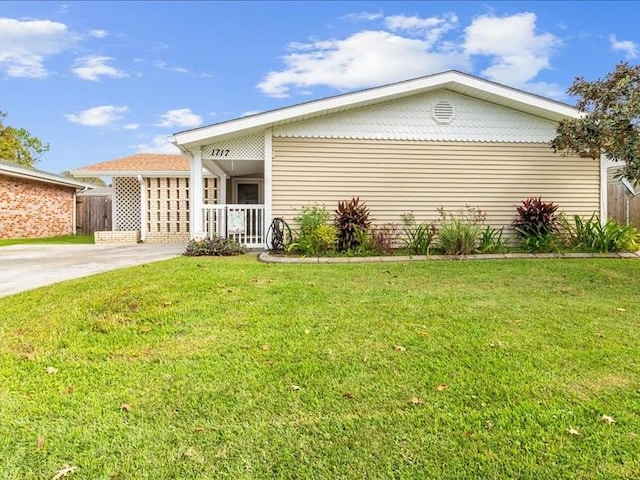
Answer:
(19, 146)
(610, 124)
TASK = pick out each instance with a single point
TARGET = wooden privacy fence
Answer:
(93, 214)
(621, 206)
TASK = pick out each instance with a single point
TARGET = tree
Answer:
(19, 146)
(610, 124)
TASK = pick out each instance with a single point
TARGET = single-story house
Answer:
(34, 203)
(444, 140)
(150, 197)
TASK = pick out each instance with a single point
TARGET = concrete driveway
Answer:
(24, 267)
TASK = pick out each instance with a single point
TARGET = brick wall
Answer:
(122, 236)
(34, 209)
(167, 237)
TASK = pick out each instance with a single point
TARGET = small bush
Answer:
(218, 246)
(491, 241)
(535, 217)
(458, 232)
(382, 239)
(351, 219)
(536, 224)
(592, 236)
(316, 235)
(417, 237)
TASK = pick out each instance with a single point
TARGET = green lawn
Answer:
(230, 368)
(53, 240)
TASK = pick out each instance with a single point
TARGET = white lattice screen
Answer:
(168, 203)
(126, 204)
(245, 148)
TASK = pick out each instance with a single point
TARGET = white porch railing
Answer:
(243, 223)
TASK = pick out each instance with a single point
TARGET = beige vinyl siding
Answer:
(394, 177)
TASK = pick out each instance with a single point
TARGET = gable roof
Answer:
(14, 170)
(452, 80)
(156, 164)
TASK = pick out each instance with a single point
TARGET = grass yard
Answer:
(4, 242)
(228, 368)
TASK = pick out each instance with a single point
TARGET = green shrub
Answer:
(540, 243)
(591, 235)
(458, 232)
(491, 240)
(417, 237)
(217, 246)
(351, 217)
(316, 235)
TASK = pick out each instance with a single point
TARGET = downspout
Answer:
(268, 182)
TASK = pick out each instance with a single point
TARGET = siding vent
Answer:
(443, 112)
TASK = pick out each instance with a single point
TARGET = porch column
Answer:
(195, 196)
(143, 209)
(268, 157)
(222, 222)
(603, 190)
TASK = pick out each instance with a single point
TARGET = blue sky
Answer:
(101, 80)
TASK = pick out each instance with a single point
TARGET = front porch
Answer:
(241, 207)
(244, 223)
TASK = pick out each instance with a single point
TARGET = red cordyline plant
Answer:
(351, 221)
(536, 218)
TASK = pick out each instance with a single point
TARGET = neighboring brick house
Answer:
(151, 197)
(34, 203)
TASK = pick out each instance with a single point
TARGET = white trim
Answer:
(74, 225)
(268, 177)
(143, 208)
(603, 190)
(630, 188)
(195, 196)
(451, 80)
(256, 181)
(21, 172)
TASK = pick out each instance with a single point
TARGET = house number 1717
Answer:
(220, 152)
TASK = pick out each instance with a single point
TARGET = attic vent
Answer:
(443, 112)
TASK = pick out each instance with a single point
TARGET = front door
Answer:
(248, 193)
(246, 225)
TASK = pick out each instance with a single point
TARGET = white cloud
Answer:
(181, 117)
(629, 48)
(431, 28)
(98, 33)
(25, 45)
(164, 66)
(102, 116)
(93, 67)
(157, 144)
(131, 126)
(518, 53)
(363, 16)
(364, 59)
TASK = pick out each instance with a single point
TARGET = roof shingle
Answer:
(142, 162)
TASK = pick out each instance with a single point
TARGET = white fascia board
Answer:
(546, 107)
(519, 96)
(130, 173)
(42, 177)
